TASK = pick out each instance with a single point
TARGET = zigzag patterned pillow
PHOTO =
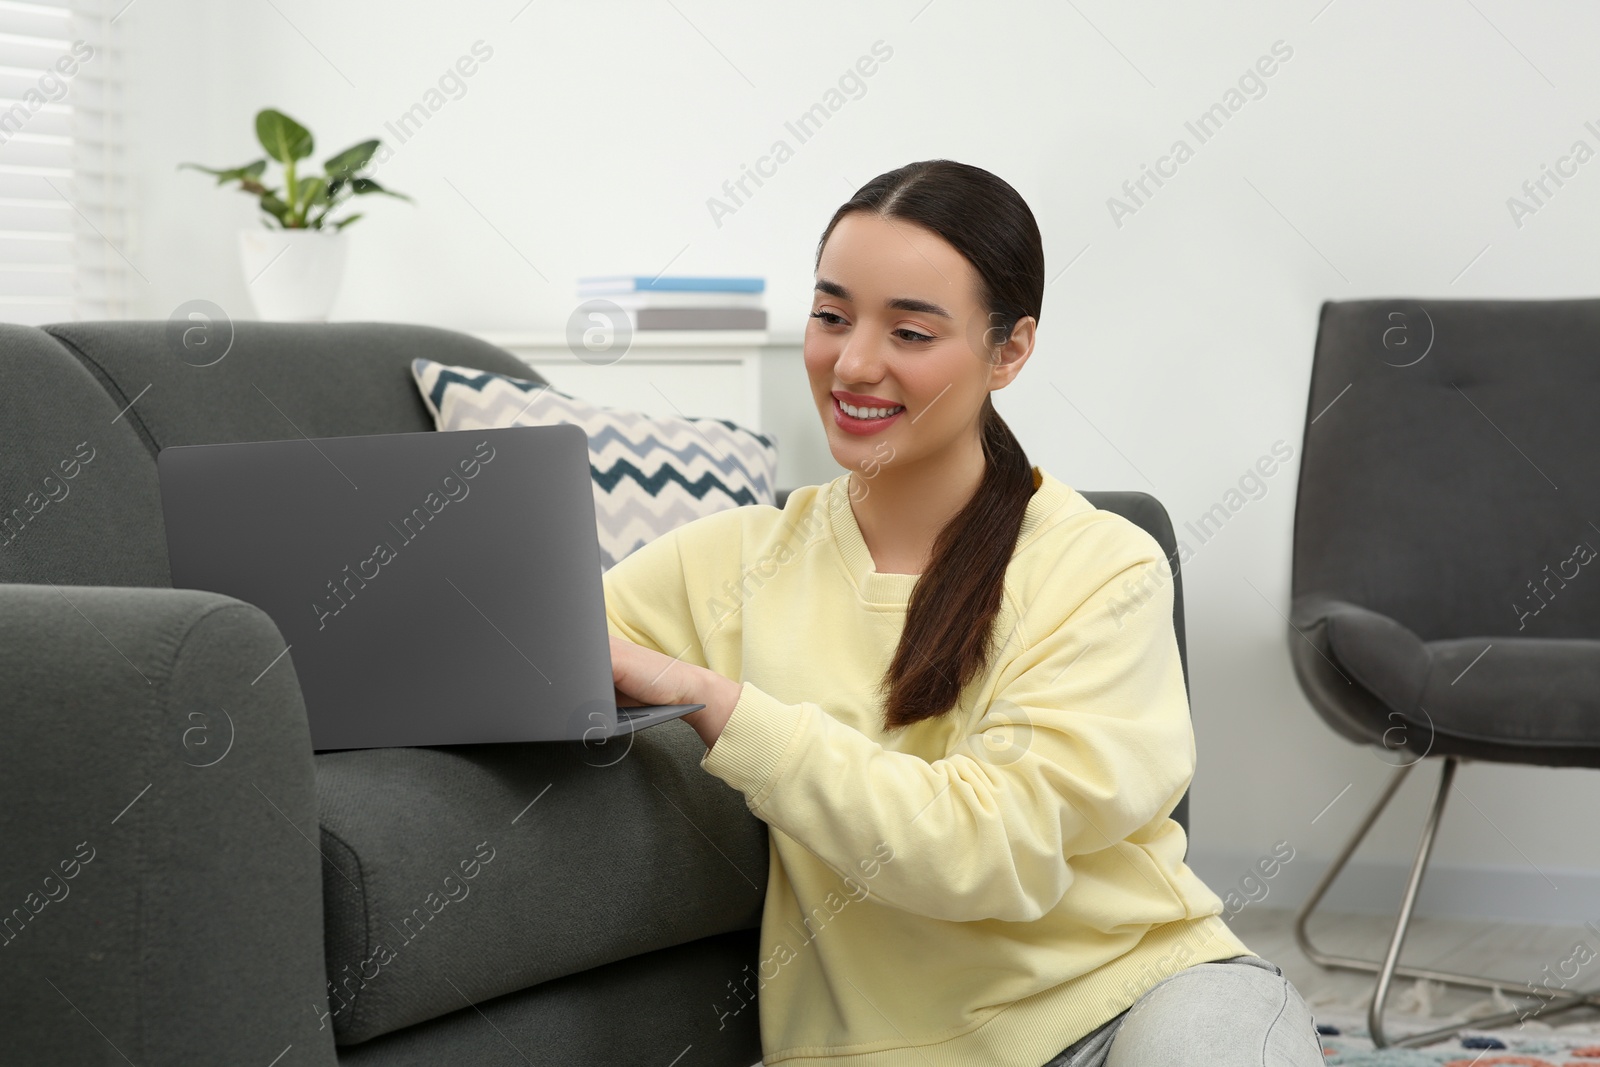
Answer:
(651, 474)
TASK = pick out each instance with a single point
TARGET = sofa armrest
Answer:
(160, 889)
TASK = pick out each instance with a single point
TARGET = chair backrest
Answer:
(1146, 511)
(1450, 467)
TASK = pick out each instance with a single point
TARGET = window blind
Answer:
(63, 201)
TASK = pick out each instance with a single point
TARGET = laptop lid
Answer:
(434, 588)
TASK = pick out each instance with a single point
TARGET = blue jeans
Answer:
(1237, 1012)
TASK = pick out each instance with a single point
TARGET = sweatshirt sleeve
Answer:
(647, 599)
(1086, 740)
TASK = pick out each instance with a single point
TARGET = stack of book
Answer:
(682, 302)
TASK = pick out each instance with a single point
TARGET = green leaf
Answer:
(338, 190)
(284, 139)
(352, 159)
(362, 186)
(313, 190)
(317, 223)
(249, 171)
(342, 223)
(272, 205)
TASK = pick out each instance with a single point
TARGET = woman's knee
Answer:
(1232, 1014)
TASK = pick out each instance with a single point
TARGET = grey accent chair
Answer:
(183, 881)
(1445, 602)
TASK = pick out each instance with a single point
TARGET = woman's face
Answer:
(896, 325)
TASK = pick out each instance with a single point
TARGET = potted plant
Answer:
(293, 265)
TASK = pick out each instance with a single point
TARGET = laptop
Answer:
(433, 588)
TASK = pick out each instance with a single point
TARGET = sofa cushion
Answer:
(651, 474)
(269, 381)
(79, 503)
(574, 1019)
(477, 870)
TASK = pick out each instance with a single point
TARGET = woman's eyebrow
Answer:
(899, 303)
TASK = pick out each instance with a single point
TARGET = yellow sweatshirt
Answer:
(985, 887)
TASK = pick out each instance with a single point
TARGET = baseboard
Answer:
(1510, 894)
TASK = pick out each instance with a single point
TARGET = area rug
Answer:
(1347, 1042)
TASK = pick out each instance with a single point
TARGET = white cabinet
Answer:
(755, 378)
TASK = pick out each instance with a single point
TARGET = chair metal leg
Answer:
(1390, 965)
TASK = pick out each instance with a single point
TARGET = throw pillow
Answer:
(651, 473)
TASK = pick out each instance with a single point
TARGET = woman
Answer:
(951, 688)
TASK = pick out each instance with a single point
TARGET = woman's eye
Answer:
(911, 336)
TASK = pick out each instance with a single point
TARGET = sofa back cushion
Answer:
(79, 503)
(268, 381)
(87, 405)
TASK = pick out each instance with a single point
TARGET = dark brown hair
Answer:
(949, 621)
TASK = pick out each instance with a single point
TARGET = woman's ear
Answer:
(1014, 353)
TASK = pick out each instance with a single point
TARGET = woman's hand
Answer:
(645, 676)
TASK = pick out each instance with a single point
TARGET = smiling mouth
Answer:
(867, 414)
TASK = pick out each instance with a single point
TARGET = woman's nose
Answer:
(859, 360)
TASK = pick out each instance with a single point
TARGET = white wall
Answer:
(1378, 163)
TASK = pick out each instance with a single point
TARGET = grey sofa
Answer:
(183, 882)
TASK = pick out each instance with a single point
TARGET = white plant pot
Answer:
(292, 275)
